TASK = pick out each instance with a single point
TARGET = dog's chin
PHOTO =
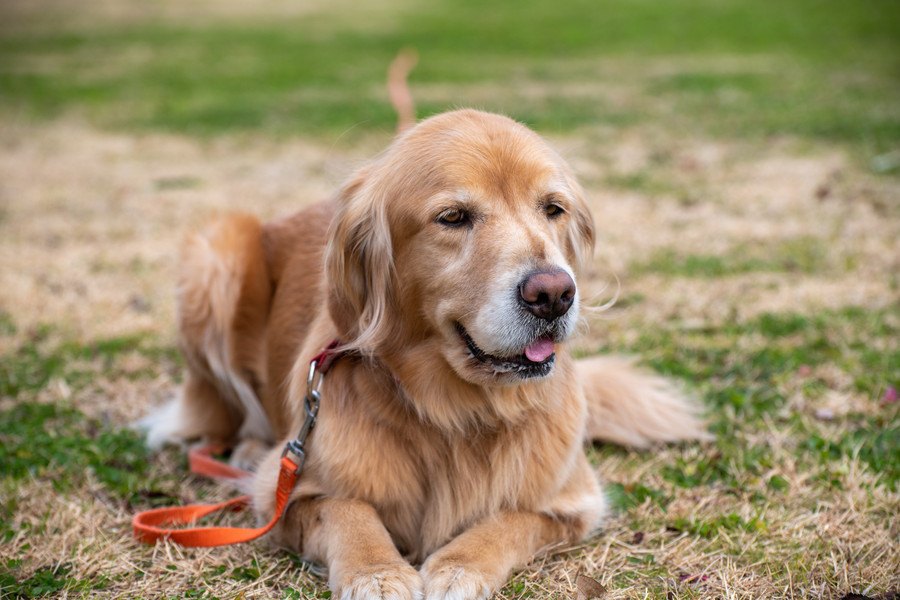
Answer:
(480, 367)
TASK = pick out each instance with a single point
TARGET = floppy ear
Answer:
(359, 266)
(580, 236)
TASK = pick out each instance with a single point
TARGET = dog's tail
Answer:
(223, 298)
(398, 88)
(633, 407)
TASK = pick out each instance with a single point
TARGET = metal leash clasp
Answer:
(297, 446)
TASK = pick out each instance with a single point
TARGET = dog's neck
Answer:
(441, 398)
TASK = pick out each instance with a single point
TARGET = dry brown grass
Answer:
(89, 227)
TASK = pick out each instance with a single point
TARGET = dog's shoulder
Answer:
(297, 240)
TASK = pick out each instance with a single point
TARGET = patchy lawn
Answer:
(742, 159)
(825, 70)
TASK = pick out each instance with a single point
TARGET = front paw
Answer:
(452, 580)
(248, 454)
(380, 582)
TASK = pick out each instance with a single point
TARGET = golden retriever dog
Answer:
(449, 447)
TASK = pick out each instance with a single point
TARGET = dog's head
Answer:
(465, 238)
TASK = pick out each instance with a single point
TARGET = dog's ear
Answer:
(359, 265)
(580, 236)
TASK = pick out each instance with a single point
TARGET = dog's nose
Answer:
(548, 294)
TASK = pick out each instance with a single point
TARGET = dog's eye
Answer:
(553, 210)
(454, 217)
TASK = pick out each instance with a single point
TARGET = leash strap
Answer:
(152, 525)
(202, 461)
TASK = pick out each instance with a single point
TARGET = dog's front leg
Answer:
(480, 559)
(349, 537)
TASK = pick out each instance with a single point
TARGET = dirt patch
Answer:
(92, 221)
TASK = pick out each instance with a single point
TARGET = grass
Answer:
(803, 255)
(34, 364)
(756, 263)
(53, 448)
(748, 374)
(75, 445)
(812, 69)
(753, 386)
(46, 581)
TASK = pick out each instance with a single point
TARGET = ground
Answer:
(742, 160)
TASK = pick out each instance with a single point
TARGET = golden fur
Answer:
(422, 455)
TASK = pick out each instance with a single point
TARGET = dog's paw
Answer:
(381, 582)
(248, 454)
(448, 580)
(163, 426)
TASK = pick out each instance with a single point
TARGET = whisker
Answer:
(595, 311)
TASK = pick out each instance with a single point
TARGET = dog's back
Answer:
(238, 281)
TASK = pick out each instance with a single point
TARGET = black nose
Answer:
(547, 294)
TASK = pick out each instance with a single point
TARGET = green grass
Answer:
(801, 255)
(709, 528)
(46, 581)
(79, 458)
(745, 373)
(7, 325)
(68, 446)
(56, 441)
(746, 363)
(59, 444)
(32, 365)
(821, 69)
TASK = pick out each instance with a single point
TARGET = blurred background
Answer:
(819, 69)
(743, 163)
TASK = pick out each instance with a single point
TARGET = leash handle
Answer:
(152, 525)
(201, 461)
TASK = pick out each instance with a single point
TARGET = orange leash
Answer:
(152, 525)
(201, 462)
(149, 524)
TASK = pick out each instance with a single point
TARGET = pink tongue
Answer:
(539, 350)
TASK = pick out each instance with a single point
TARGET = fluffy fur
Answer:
(431, 473)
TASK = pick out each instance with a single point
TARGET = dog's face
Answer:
(465, 236)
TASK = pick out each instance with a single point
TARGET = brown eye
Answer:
(553, 210)
(454, 217)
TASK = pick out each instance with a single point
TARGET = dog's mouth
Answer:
(536, 359)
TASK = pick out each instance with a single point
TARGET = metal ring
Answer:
(314, 397)
(311, 377)
(314, 379)
(311, 404)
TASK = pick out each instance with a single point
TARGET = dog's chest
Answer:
(429, 483)
(476, 477)
(428, 488)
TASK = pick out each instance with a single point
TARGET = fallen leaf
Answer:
(696, 577)
(824, 414)
(588, 588)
